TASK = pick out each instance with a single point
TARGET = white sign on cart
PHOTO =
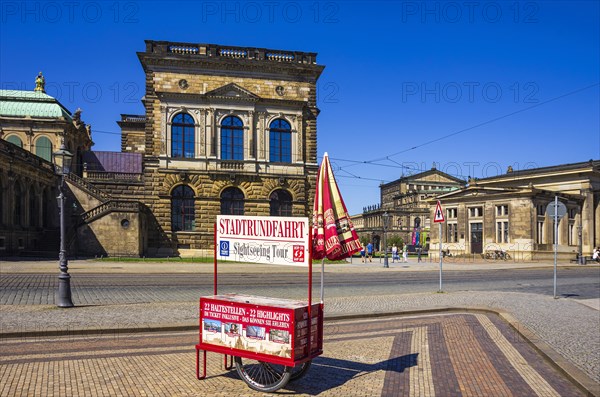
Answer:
(263, 239)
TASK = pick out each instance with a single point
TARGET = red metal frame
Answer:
(227, 351)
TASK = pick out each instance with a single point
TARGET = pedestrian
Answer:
(405, 253)
(418, 254)
(394, 253)
(370, 252)
(596, 254)
(362, 253)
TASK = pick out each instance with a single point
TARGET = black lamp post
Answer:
(62, 163)
(386, 218)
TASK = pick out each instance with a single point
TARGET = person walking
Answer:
(362, 253)
(370, 252)
(405, 253)
(419, 254)
(395, 253)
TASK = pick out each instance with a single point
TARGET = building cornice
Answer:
(202, 58)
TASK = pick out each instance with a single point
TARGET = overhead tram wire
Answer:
(338, 168)
(373, 162)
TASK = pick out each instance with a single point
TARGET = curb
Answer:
(579, 378)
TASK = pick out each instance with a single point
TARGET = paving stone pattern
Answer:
(430, 355)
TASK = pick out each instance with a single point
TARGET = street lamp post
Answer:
(62, 162)
(386, 218)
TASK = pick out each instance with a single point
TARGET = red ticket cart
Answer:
(272, 341)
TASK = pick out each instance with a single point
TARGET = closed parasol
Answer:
(334, 236)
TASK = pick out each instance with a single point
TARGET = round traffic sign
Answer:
(561, 209)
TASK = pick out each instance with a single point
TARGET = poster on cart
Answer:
(263, 239)
(269, 326)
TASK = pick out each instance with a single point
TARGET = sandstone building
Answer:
(405, 201)
(508, 212)
(32, 126)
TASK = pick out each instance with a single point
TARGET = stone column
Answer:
(199, 150)
(164, 146)
(298, 153)
(587, 220)
(211, 132)
(261, 136)
(251, 135)
(597, 217)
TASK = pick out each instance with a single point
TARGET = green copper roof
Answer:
(16, 103)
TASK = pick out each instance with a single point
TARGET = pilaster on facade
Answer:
(211, 133)
(251, 135)
(261, 133)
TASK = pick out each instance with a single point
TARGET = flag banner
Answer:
(334, 236)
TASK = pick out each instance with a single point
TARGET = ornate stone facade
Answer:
(405, 201)
(209, 85)
(508, 212)
(32, 127)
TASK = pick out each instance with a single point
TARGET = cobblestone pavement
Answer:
(566, 330)
(460, 354)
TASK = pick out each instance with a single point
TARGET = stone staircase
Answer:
(94, 204)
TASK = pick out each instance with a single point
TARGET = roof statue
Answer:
(40, 83)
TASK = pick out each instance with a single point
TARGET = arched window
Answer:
(182, 136)
(18, 205)
(33, 208)
(43, 148)
(280, 141)
(15, 140)
(281, 203)
(182, 209)
(232, 138)
(232, 201)
(48, 205)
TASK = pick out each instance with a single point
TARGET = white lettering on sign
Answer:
(262, 228)
(260, 239)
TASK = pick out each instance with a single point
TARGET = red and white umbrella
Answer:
(334, 236)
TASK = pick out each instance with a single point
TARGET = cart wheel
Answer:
(299, 370)
(263, 376)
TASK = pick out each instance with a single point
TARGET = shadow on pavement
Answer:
(328, 373)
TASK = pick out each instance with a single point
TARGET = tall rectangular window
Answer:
(572, 234)
(502, 210)
(452, 233)
(502, 232)
(232, 138)
(182, 136)
(475, 212)
(280, 141)
(540, 232)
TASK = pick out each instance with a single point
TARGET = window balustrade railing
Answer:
(231, 165)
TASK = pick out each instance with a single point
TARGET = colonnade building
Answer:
(509, 212)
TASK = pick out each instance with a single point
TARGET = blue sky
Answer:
(472, 86)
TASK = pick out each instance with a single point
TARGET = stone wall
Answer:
(115, 234)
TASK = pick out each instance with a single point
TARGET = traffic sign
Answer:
(439, 214)
(561, 210)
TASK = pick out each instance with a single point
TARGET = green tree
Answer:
(395, 239)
